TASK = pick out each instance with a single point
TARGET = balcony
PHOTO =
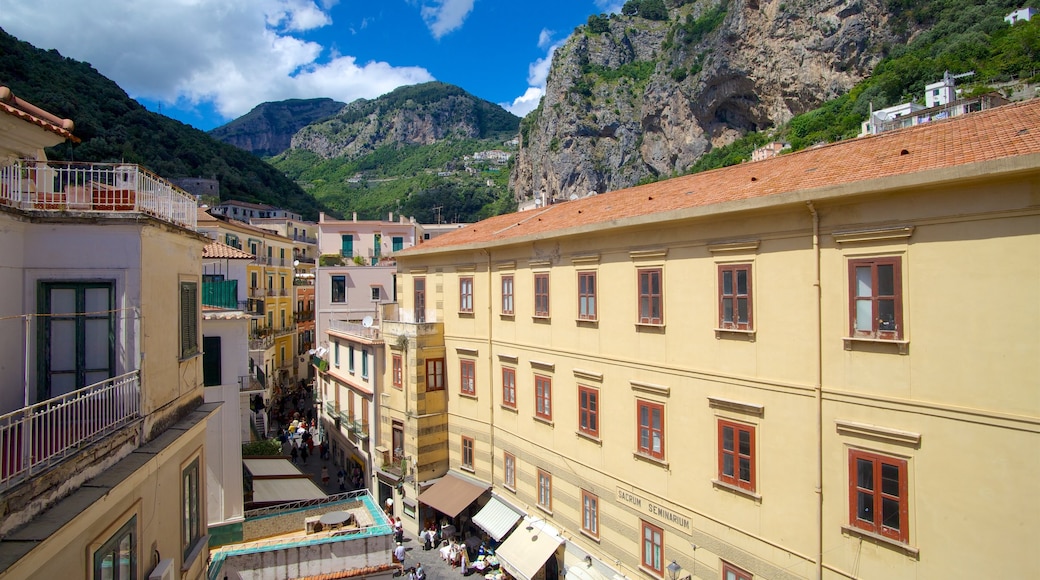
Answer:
(94, 188)
(261, 342)
(36, 438)
(355, 329)
(305, 259)
(221, 294)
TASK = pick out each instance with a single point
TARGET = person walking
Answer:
(399, 553)
(295, 455)
(325, 475)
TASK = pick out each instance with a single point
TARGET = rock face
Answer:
(646, 98)
(268, 129)
(413, 115)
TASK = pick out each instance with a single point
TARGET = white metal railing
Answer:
(35, 438)
(354, 329)
(94, 187)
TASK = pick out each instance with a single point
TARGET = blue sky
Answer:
(205, 62)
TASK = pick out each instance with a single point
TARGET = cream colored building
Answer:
(102, 420)
(822, 365)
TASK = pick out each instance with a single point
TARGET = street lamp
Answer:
(673, 570)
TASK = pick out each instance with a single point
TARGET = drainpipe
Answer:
(818, 389)
(491, 368)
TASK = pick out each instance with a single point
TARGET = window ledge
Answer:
(467, 468)
(592, 438)
(589, 536)
(902, 345)
(472, 396)
(736, 489)
(507, 316)
(650, 459)
(544, 509)
(189, 560)
(905, 548)
(541, 319)
(510, 488)
(548, 422)
(466, 313)
(587, 321)
(651, 572)
(650, 326)
(723, 332)
(508, 408)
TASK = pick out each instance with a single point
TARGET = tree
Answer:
(598, 24)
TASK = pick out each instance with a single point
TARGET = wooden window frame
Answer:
(736, 456)
(648, 297)
(189, 317)
(646, 431)
(350, 359)
(649, 545)
(879, 494)
(541, 295)
(435, 374)
(588, 411)
(896, 332)
(398, 371)
(590, 513)
(466, 294)
(507, 294)
(545, 490)
(467, 452)
(509, 387)
(468, 377)
(543, 397)
(729, 571)
(193, 518)
(731, 297)
(508, 470)
(587, 296)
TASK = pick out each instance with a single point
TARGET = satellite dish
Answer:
(366, 321)
(295, 263)
(573, 197)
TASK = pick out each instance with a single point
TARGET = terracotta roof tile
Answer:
(11, 108)
(1003, 132)
(224, 251)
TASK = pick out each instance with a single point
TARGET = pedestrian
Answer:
(303, 454)
(295, 454)
(398, 530)
(399, 553)
(324, 475)
(420, 574)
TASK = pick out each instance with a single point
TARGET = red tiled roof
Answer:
(999, 133)
(11, 108)
(224, 251)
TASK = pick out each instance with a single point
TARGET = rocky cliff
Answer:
(269, 127)
(629, 98)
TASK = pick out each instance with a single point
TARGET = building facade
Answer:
(773, 370)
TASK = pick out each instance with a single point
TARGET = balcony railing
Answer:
(223, 294)
(36, 438)
(94, 188)
(354, 329)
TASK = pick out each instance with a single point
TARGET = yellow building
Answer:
(822, 365)
(102, 421)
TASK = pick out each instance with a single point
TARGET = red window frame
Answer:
(509, 387)
(587, 296)
(590, 513)
(543, 397)
(467, 452)
(398, 371)
(873, 492)
(737, 454)
(509, 470)
(468, 377)
(883, 302)
(545, 490)
(588, 410)
(652, 552)
(541, 295)
(651, 303)
(435, 374)
(507, 294)
(466, 294)
(648, 430)
(735, 304)
(731, 572)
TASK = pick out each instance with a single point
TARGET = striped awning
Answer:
(497, 518)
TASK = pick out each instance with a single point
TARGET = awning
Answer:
(497, 518)
(285, 490)
(268, 466)
(525, 550)
(452, 494)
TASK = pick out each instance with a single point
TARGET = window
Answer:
(468, 377)
(876, 309)
(544, 490)
(466, 294)
(877, 495)
(398, 371)
(117, 558)
(396, 243)
(434, 374)
(375, 293)
(467, 452)
(509, 468)
(653, 546)
(190, 502)
(650, 311)
(735, 297)
(211, 361)
(586, 296)
(420, 300)
(588, 411)
(335, 354)
(543, 397)
(541, 295)
(737, 454)
(589, 513)
(509, 387)
(350, 359)
(507, 294)
(651, 429)
(189, 319)
(731, 572)
(364, 363)
(339, 289)
(78, 348)
(346, 245)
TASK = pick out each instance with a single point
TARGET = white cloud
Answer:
(610, 6)
(445, 16)
(233, 53)
(537, 74)
(545, 38)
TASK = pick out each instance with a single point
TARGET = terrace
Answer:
(94, 188)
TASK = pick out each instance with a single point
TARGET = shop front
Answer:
(449, 504)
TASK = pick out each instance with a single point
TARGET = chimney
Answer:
(390, 217)
(355, 216)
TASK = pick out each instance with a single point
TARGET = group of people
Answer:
(400, 555)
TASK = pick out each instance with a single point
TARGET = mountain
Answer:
(645, 94)
(268, 129)
(114, 128)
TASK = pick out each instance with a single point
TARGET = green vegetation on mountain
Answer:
(267, 129)
(115, 128)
